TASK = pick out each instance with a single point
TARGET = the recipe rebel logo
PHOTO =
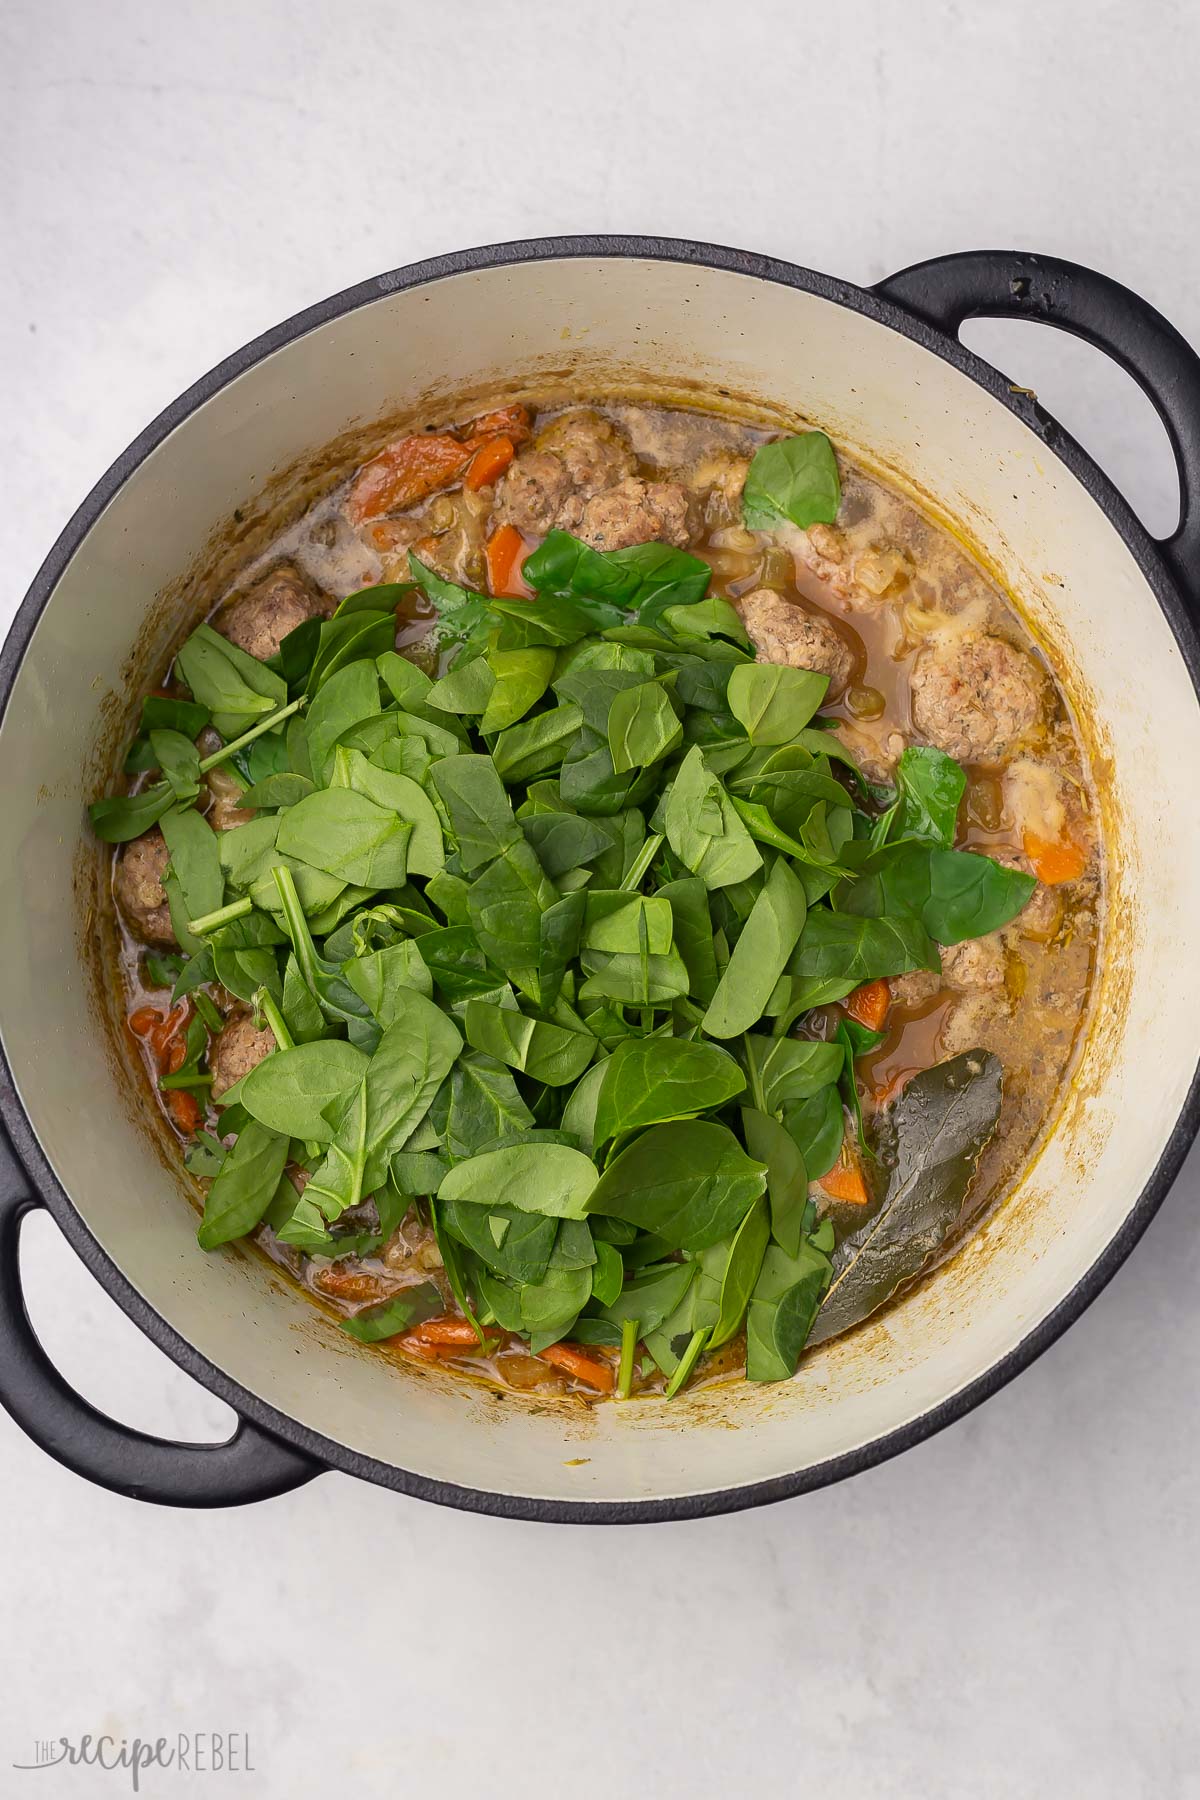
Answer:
(186, 1753)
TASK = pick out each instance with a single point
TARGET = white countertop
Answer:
(1009, 1610)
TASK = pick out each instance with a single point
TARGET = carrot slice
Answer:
(446, 1330)
(407, 471)
(588, 1369)
(1054, 862)
(869, 1004)
(177, 1020)
(184, 1109)
(143, 1021)
(845, 1182)
(489, 463)
(510, 421)
(505, 554)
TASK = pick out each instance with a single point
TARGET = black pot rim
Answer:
(329, 1452)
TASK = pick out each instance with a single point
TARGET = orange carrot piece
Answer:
(505, 554)
(143, 1021)
(177, 1020)
(446, 1330)
(509, 421)
(489, 463)
(184, 1109)
(1054, 862)
(404, 472)
(869, 1004)
(845, 1182)
(588, 1369)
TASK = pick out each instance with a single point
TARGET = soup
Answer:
(608, 900)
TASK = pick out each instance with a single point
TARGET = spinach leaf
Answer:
(563, 841)
(846, 946)
(774, 702)
(237, 689)
(930, 786)
(413, 1057)
(401, 1313)
(782, 1309)
(477, 1105)
(760, 955)
(399, 794)
(458, 966)
(818, 1125)
(300, 1092)
(728, 1273)
(929, 1142)
(691, 1183)
(466, 688)
(179, 760)
(645, 577)
(541, 1178)
(693, 934)
(787, 1178)
(506, 905)
(515, 1244)
(545, 1052)
(648, 1081)
(342, 832)
(649, 1299)
(520, 678)
(244, 1186)
(479, 809)
(550, 1307)
(162, 713)
(194, 882)
(119, 817)
(643, 727)
(536, 745)
(955, 894)
(345, 700)
(703, 829)
(794, 478)
(788, 1069)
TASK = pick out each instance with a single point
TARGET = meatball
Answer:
(533, 492)
(139, 891)
(977, 963)
(976, 1022)
(259, 621)
(718, 480)
(593, 451)
(637, 512)
(238, 1048)
(915, 989)
(783, 632)
(975, 698)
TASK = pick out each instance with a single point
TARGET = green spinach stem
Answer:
(629, 1339)
(224, 915)
(247, 737)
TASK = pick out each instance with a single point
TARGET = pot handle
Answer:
(251, 1465)
(996, 284)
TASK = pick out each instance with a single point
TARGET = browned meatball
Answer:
(237, 1049)
(637, 512)
(975, 698)
(914, 989)
(977, 963)
(137, 885)
(532, 493)
(592, 450)
(259, 621)
(783, 632)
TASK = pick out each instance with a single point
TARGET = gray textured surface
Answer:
(1009, 1610)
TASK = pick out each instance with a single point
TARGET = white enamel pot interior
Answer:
(597, 315)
